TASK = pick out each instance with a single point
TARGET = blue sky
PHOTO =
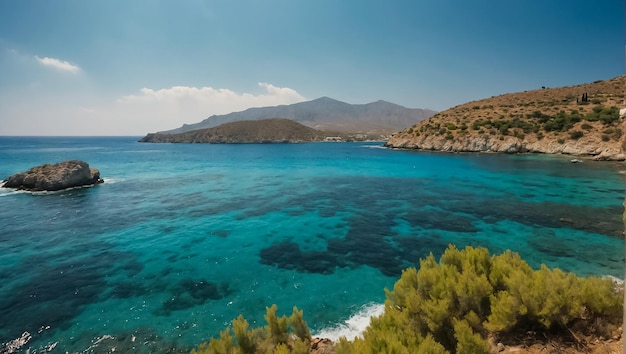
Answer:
(131, 67)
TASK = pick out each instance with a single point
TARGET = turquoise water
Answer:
(180, 239)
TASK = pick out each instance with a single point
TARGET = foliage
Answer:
(450, 306)
(576, 134)
(281, 335)
(605, 115)
(536, 121)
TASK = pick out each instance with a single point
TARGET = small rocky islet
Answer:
(54, 177)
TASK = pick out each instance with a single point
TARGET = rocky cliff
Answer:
(582, 120)
(277, 130)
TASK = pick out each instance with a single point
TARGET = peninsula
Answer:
(581, 120)
(276, 130)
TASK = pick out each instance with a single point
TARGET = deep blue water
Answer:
(180, 239)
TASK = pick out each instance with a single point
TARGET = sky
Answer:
(118, 67)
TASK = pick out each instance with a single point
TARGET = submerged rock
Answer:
(54, 177)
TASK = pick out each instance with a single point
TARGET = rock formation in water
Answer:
(277, 130)
(54, 177)
(577, 120)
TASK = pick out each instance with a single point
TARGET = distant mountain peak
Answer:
(326, 98)
(326, 113)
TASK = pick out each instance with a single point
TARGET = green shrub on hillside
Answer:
(605, 115)
(451, 306)
(281, 335)
(468, 294)
(576, 134)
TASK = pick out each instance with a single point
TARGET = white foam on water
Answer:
(616, 280)
(112, 180)
(353, 326)
(5, 191)
(14, 345)
(619, 283)
(11, 191)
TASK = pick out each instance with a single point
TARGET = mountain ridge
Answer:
(327, 114)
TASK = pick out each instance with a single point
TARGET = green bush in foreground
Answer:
(281, 335)
(455, 303)
(451, 307)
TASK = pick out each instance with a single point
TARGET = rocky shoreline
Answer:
(509, 145)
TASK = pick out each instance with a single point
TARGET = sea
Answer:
(182, 238)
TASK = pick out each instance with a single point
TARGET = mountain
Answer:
(581, 120)
(326, 114)
(277, 130)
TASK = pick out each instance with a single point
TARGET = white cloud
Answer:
(58, 64)
(169, 108)
(217, 101)
(150, 110)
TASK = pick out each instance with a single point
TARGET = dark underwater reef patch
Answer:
(377, 203)
(604, 221)
(366, 243)
(53, 297)
(287, 255)
(552, 246)
(189, 293)
(219, 233)
(440, 220)
(132, 267)
(126, 290)
(60, 284)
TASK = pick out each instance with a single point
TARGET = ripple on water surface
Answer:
(175, 245)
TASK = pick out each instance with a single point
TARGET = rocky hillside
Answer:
(580, 120)
(376, 118)
(277, 130)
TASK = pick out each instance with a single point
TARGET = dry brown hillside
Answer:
(578, 120)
